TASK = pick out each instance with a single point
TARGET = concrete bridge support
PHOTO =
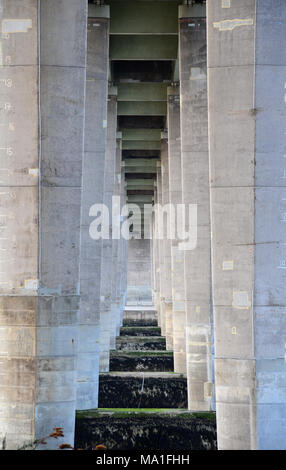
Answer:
(106, 330)
(195, 190)
(167, 275)
(41, 167)
(246, 73)
(92, 193)
(177, 256)
(161, 266)
(116, 273)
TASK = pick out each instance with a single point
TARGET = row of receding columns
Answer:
(62, 290)
(224, 154)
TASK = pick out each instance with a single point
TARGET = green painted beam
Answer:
(150, 162)
(161, 47)
(140, 169)
(142, 92)
(144, 17)
(140, 184)
(143, 199)
(142, 108)
(141, 134)
(141, 145)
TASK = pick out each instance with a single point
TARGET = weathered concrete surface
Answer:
(141, 361)
(195, 190)
(92, 193)
(247, 146)
(140, 331)
(146, 390)
(40, 216)
(142, 430)
(106, 329)
(177, 256)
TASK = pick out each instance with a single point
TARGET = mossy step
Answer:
(140, 322)
(145, 429)
(141, 361)
(148, 390)
(140, 343)
(140, 331)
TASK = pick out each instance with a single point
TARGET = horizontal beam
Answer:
(141, 145)
(142, 92)
(143, 47)
(140, 184)
(142, 108)
(141, 134)
(146, 162)
(129, 17)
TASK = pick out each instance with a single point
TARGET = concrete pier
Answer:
(42, 128)
(92, 193)
(246, 74)
(177, 256)
(195, 190)
(166, 245)
(106, 331)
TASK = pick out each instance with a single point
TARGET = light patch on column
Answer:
(227, 265)
(31, 284)
(233, 330)
(104, 123)
(16, 26)
(208, 387)
(178, 306)
(225, 3)
(197, 74)
(198, 309)
(1, 55)
(34, 171)
(229, 25)
(240, 300)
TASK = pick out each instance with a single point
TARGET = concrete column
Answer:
(106, 339)
(123, 249)
(177, 256)
(195, 190)
(156, 256)
(42, 123)
(116, 274)
(247, 107)
(167, 278)
(92, 193)
(160, 251)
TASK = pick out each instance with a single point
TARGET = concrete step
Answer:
(130, 322)
(146, 390)
(141, 361)
(140, 331)
(144, 429)
(140, 343)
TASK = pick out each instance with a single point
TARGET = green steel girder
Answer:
(141, 134)
(144, 17)
(147, 47)
(142, 108)
(142, 91)
(141, 145)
